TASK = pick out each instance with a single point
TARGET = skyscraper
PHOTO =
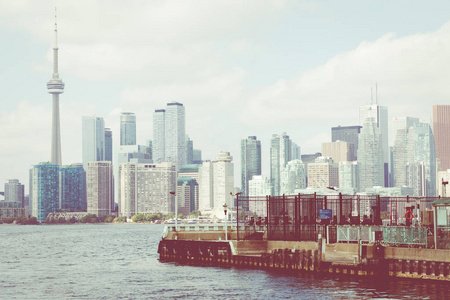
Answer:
(293, 177)
(189, 151)
(145, 188)
(323, 173)
(169, 138)
(347, 134)
(250, 161)
(205, 182)
(14, 191)
(348, 175)
(223, 176)
(44, 190)
(339, 151)
(159, 136)
(175, 139)
(370, 156)
(108, 145)
(127, 128)
(441, 129)
(93, 131)
(258, 186)
(380, 117)
(100, 190)
(71, 187)
(415, 159)
(55, 86)
(280, 154)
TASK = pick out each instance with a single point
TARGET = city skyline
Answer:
(248, 86)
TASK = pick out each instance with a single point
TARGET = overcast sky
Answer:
(239, 67)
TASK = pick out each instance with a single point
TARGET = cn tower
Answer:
(55, 86)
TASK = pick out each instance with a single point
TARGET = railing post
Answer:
(237, 219)
(284, 217)
(339, 220)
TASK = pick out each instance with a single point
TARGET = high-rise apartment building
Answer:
(159, 136)
(44, 190)
(441, 129)
(347, 134)
(293, 177)
(100, 190)
(108, 145)
(323, 173)
(145, 188)
(14, 192)
(93, 131)
(216, 180)
(370, 156)
(223, 178)
(259, 186)
(127, 128)
(206, 181)
(339, 151)
(280, 154)
(250, 161)
(71, 188)
(379, 114)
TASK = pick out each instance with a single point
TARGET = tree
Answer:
(195, 213)
(33, 221)
(138, 218)
(8, 220)
(22, 220)
(120, 219)
(72, 220)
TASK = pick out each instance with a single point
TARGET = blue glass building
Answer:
(72, 188)
(44, 192)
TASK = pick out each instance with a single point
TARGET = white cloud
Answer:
(157, 52)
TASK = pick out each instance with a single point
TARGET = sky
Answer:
(240, 68)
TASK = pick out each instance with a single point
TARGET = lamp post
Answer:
(176, 210)
(237, 213)
(444, 184)
(226, 225)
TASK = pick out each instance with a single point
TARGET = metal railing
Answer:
(355, 233)
(405, 236)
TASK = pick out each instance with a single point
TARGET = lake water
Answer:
(121, 262)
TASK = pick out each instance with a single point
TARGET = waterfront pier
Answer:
(279, 242)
